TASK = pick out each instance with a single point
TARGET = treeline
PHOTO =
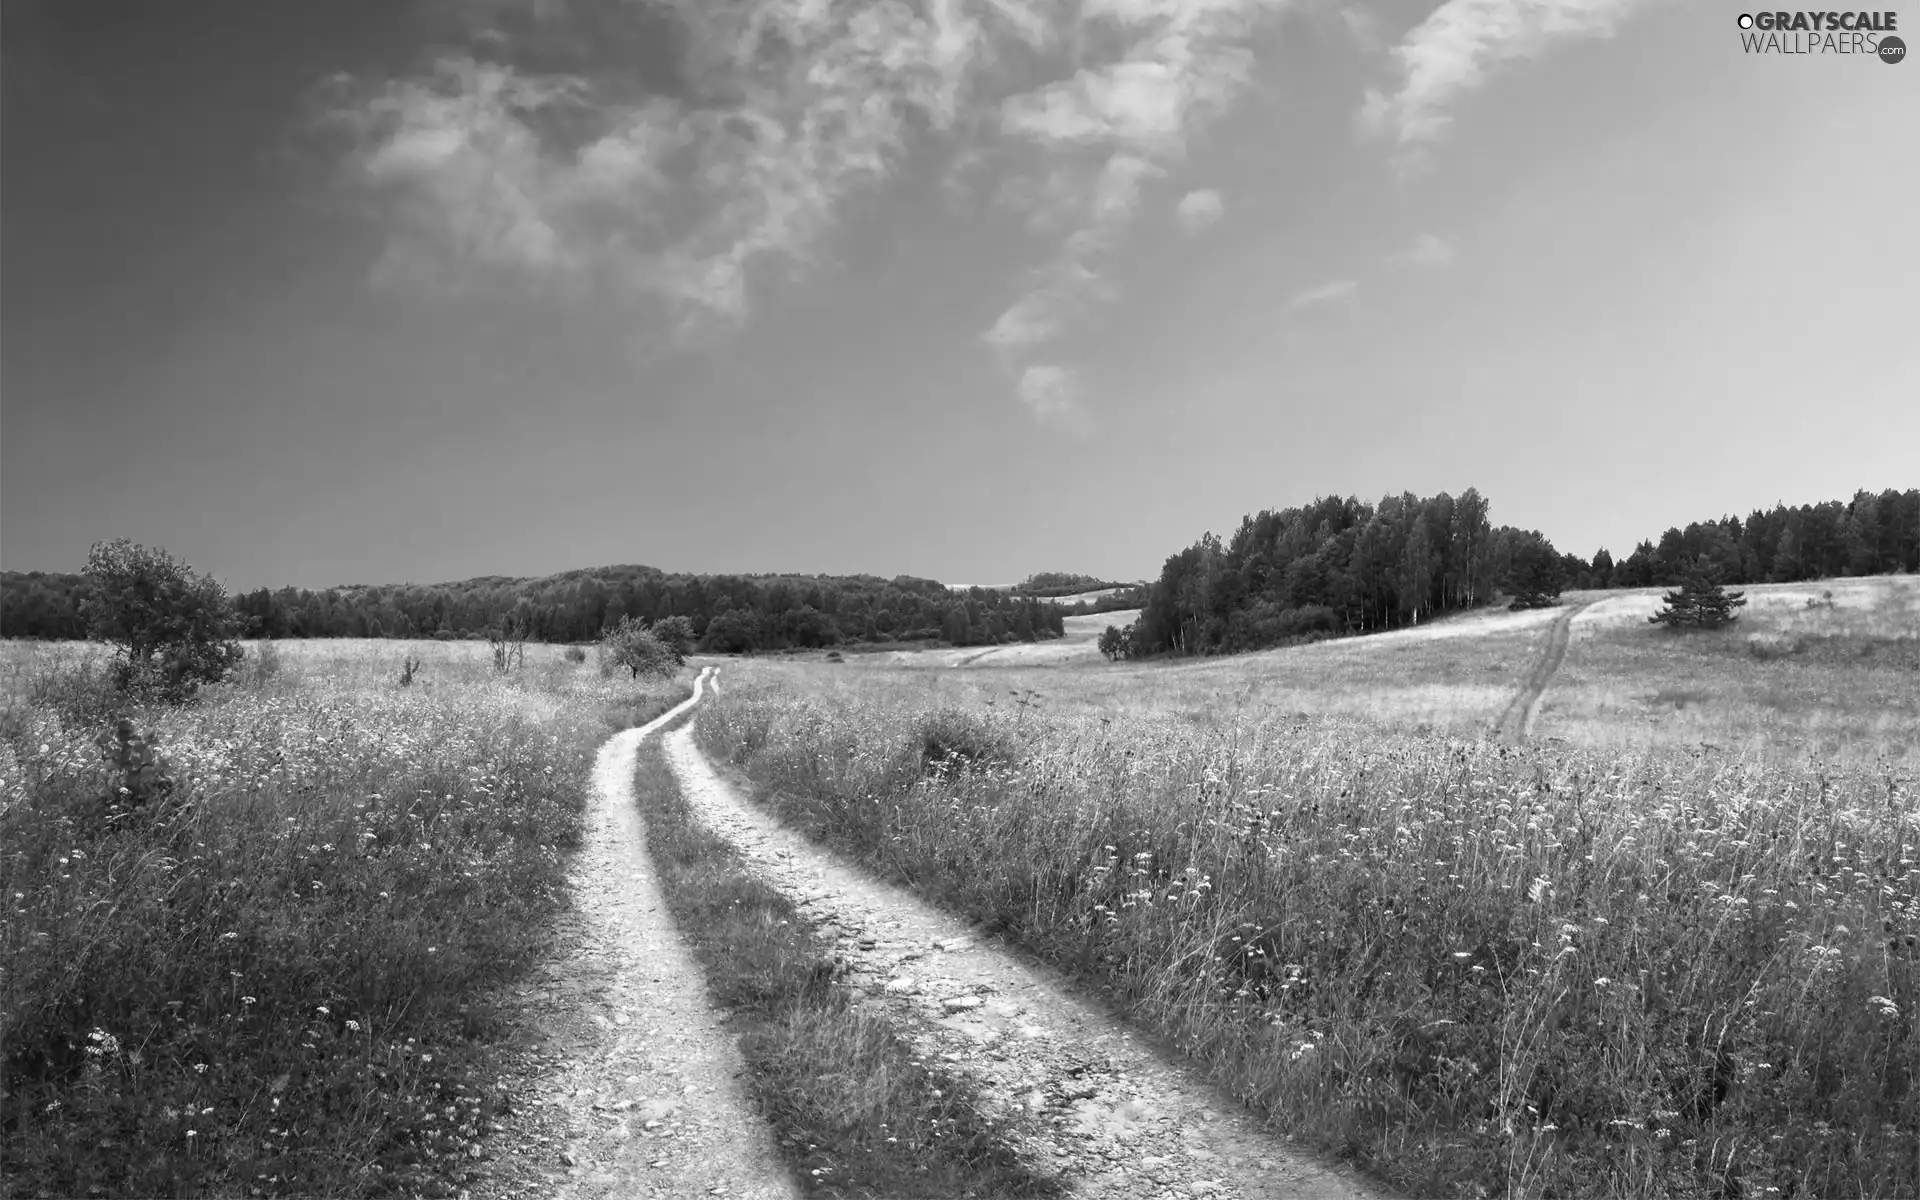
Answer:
(729, 613)
(1341, 566)
(1060, 583)
(1335, 566)
(1876, 533)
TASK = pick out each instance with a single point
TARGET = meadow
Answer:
(252, 944)
(1628, 967)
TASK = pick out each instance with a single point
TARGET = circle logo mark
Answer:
(1892, 50)
(1746, 21)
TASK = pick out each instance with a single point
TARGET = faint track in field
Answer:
(1518, 716)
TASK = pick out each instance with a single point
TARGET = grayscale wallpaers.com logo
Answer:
(1823, 33)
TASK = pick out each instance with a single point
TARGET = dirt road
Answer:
(1116, 1118)
(1517, 719)
(632, 1091)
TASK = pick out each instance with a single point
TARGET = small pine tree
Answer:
(1701, 603)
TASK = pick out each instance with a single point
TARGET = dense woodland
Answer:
(1343, 566)
(729, 612)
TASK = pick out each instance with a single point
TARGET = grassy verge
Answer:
(1470, 969)
(260, 965)
(855, 1111)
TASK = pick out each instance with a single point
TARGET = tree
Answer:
(632, 645)
(1116, 643)
(1701, 603)
(172, 629)
(1537, 573)
(732, 631)
(1602, 568)
(676, 633)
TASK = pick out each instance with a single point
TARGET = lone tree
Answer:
(640, 650)
(171, 628)
(1701, 603)
(1116, 643)
(1537, 574)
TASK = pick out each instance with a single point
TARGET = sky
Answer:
(381, 291)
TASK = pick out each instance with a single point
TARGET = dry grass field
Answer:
(1831, 668)
(1608, 963)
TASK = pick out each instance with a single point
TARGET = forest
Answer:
(1340, 566)
(730, 613)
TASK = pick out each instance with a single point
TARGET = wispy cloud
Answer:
(566, 178)
(1331, 292)
(1199, 209)
(1054, 393)
(1429, 251)
(1459, 45)
(780, 112)
(1185, 64)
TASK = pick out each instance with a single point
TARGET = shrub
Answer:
(409, 667)
(576, 654)
(171, 628)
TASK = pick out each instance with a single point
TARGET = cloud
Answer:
(571, 180)
(541, 155)
(1054, 394)
(1455, 49)
(1331, 292)
(1199, 209)
(1184, 65)
(1429, 251)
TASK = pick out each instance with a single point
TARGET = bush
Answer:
(171, 628)
(576, 654)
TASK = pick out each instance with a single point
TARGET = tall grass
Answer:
(272, 977)
(1472, 969)
(856, 1111)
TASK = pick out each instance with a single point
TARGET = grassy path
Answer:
(1517, 719)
